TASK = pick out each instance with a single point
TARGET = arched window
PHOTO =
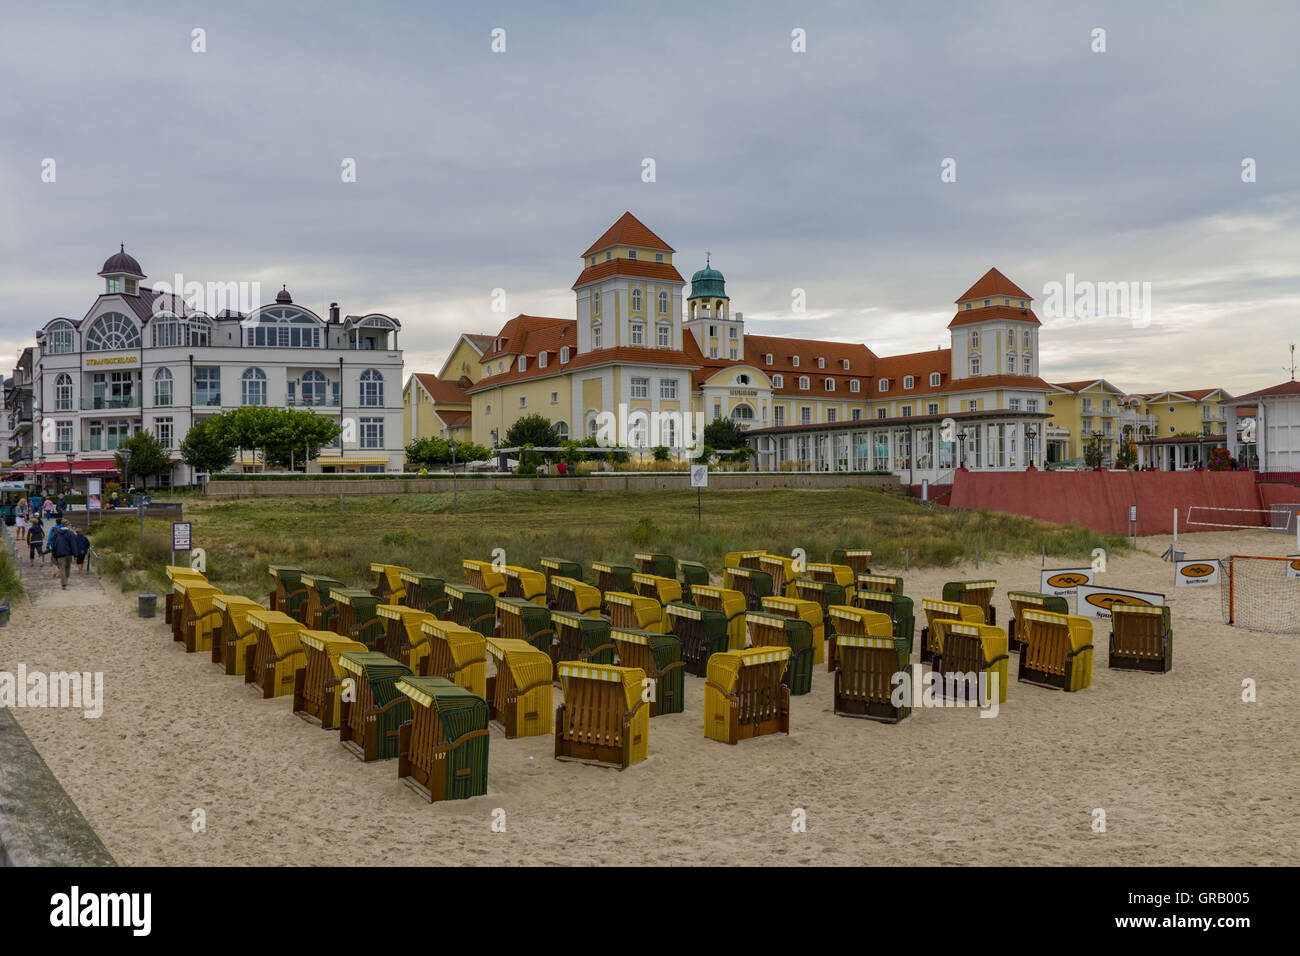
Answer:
(742, 413)
(60, 339)
(595, 335)
(804, 383)
(168, 331)
(372, 387)
(742, 379)
(111, 332)
(636, 300)
(253, 386)
(638, 333)
(313, 387)
(562, 430)
(669, 434)
(63, 393)
(162, 387)
(663, 303)
(286, 327)
(593, 424)
(199, 330)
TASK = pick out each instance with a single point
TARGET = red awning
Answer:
(94, 466)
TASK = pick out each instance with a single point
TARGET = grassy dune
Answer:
(242, 537)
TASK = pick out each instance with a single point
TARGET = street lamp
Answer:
(1030, 435)
(71, 457)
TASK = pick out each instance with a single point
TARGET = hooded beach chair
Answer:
(665, 590)
(455, 652)
(898, 607)
(525, 584)
(272, 660)
(1056, 650)
(633, 610)
(660, 656)
(825, 594)
(744, 695)
(570, 594)
(558, 568)
(484, 576)
(356, 615)
(442, 753)
(579, 637)
(775, 630)
(702, 632)
(1021, 601)
(809, 611)
(199, 617)
(234, 633)
(931, 639)
(603, 719)
(316, 697)
(733, 605)
(1141, 638)
(472, 607)
(519, 694)
(288, 595)
(782, 571)
(841, 574)
(888, 583)
(867, 656)
(972, 655)
(320, 609)
(693, 574)
(743, 559)
(389, 587)
(525, 621)
(857, 558)
(979, 593)
(612, 577)
(752, 583)
(371, 717)
(424, 592)
(402, 633)
(664, 565)
(174, 573)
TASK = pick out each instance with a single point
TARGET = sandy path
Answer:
(1186, 772)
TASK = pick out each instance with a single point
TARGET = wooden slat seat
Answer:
(288, 594)
(272, 660)
(424, 592)
(455, 652)
(660, 656)
(570, 594)
(867, 657)
(558, 568)
(603, 719)
(664, 565)
(754, 584)
(973, 655)
(693, 574)
(859, 559)
(633, 610)
(1031, 601)
(525, 584)
(782, 570)
(1141, 638)
(472, 607)
(743, 559)
(824, 594)
(774, 630)
(579, 637)
(665, 590)
(389, 586)
(898, 607)
(702, 632)
(809, 611)
(731, 603)
(484, 576)
(520, 693)
(372, 715)
(402, 633)
(355, 615)
(320, 609)
(442, 753)
(1057, 650)
(316, 697)
(612, 577)
(525, 621)
(979, 593)
(931, 639)
(234, 633)
(199, 617)
(744, 695)
(841, 574)
(170, 604)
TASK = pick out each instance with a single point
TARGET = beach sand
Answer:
(1185, 771)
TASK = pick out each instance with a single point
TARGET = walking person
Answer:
(63, 547)
(20, 521)
(36, 541)
(49, 508)
(83, 549)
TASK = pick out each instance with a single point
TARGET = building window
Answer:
(1013, 404)
(974, 364)
(207, 385)
(778, 415)
(821, 362)
(668, 388)
(522, 364)
(640, 387)
(523, 401)
(742, 413)
(733, 354)
(555, 398)
(713, 351)
(907, 411)
(805, 415)
(58, 340)
(63, 436)
(934, 379)
(372, 387)
(846, 365)
(313, 387)
(286, 328)
(63, 393)
(855, 386)
(882, 385)
(162, 429)
(713, 331)
(1027, 367)
(167, 331)
(830, 384)
(987, 302)
(804, 383)
(631, 253)
(794, 360)
(857, 414)
(1011, 363)
(973, 405)
(638, 333)
(832, 414)
(162, 388)
(882, 412)
(665, 336)
(595, 335)
(974, 337)
(659, 257)
(636, 300)
(562, 431)
(731, 331)
(595, 302)
(541, 360)
(372, 433)
(564, 354)
(114, 286)
(778, 381)
(112, 332)
(909, 381)
(488, 410)
(1029, 338)
(932, 408)
(253, 387)
(1031, 404)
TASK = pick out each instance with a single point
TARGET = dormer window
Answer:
(967, 306)
(821, 362)
(778, 381)
(855, 386)
(987, 302)
(608, 256)
(541, 360)
(659, 257)
(794, 360)
(114, 286)
(130, 286)
(768, 358)
(883, 385)
(591, 260)
(804, 384)
(830, 384)
(631, 253)
(523, 363)
(934, 379)
(846, 365)
(909, 381)
(564, 354)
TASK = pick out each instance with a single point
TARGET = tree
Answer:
(206, 447)
(723, 433)
(148, 458)
(532, 430)
(1094, 453)
(437, 451)
(296, 435)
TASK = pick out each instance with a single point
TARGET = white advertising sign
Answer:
(1062, 582)
(1095, 602)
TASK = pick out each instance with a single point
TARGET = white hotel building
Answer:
(139, 360)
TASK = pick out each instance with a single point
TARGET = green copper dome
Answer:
(708, 283)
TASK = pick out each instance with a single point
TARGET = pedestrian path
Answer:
(42, 583)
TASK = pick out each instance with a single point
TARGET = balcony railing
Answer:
(300, 402)
(109, 402)
(207, 398)
(103, 443)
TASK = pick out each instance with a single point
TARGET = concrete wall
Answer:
(614, 482)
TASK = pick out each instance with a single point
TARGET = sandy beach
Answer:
(1186, 772)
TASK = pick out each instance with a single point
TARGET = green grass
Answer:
(241, 537)
(419, 531)
(11, 582)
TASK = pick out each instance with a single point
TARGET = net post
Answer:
(1232, 582)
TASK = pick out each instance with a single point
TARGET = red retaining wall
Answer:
(1100, 499)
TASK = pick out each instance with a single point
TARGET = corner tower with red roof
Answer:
(995, 331)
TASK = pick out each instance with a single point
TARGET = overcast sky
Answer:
(818, 170)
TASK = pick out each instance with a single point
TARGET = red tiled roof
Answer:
(629, 231)
(514, 335)
(636, 268)
(994, 313)
(452, 393)
(479, 339)
(626, 355)
(993, 283)
(453, 419)
(1076, 386)
(853, 424)
(1286, 388)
